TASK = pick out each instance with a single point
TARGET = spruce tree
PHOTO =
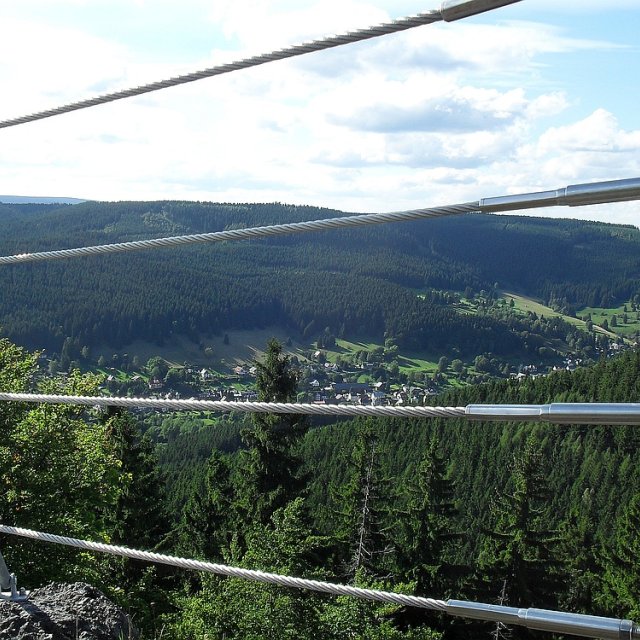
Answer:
(270, 467)
(206, 527)
(426, 529)
(362, 509)
(137, 518)
(520, 556)
(579, 549)
(621, 593)
(228, 608)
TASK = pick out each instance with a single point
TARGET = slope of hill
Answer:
(350, 283)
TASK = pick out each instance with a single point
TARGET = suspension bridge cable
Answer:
(555, 413)
(539, 619)
(246, 407)
(232, 572)
(245, 234)
(450, 10)
(573, 196)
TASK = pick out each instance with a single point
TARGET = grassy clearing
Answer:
(408, 364)
(417, 363)
(244, 347)
(425, 363)
(600, 314)
(526, 304)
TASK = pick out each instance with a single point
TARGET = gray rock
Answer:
(65, 612)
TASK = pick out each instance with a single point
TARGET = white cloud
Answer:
(435, 115)
(583, 6)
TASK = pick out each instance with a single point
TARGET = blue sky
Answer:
(532, 96)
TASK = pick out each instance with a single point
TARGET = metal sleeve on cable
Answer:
(575, 195)
(545, 620)
(558, 413)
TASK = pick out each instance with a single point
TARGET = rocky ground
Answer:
(65, 612)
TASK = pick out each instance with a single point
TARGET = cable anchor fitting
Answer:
(9, 585)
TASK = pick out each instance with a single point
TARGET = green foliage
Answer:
(138, 516)
(580, 550)
(247, 610)
(360, 521)
(345, 617)
(58, 470)
(520, 552)
(427, 527)
(269, 476)
(551, 515)
(82, 303)
(621, 577)
(206, 526)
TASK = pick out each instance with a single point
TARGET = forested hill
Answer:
(355, 282)
(546, 515)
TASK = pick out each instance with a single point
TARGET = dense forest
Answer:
(525, 514)
(371, 276)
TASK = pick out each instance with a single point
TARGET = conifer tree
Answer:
(227, 608)
(579, 550)
(520, 552)
(362, 508)
(206, 527)
(270, 467)
(138, 519)
(621, 577)
(426, 527)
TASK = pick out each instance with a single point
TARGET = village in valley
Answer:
(335, 370)
(375, 382)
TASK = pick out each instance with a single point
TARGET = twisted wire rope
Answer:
(247, 234)
(402, 24)
(232, 572)
(245, 407)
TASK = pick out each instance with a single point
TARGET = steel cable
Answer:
(330, 42)
(245, 407)
(246, 234)
(232, 572)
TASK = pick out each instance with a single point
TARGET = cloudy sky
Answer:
(533, 96)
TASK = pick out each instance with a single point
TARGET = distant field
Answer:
(597, 315)
(406, 362)
(244, 347)
(526, 304)
(600, 314)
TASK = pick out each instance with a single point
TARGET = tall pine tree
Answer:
(520, 557)
(426, 529)
(622, 578)
(270, 467)
(206, 526)
(362, 509)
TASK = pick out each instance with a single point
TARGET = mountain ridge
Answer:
(395, 281)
